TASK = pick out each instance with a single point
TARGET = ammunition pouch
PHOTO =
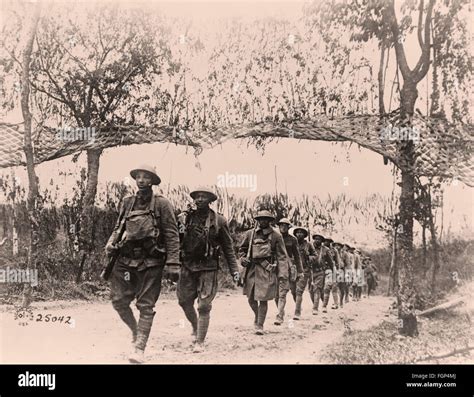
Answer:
(147, 248)
(267, 265)
(133, 252)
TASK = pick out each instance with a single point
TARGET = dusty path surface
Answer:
(96, 335)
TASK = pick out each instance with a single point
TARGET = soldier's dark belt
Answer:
(134, 253)
(199, 259)
(258, 260)
(141, 253)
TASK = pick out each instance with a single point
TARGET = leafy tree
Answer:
(376, 22)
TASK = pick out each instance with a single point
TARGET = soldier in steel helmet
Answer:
(205, 235)
(294, 271)
(145, 238)
(264, 256)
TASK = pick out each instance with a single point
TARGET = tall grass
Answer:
(345, 219)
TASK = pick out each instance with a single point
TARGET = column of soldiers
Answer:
(147, 236)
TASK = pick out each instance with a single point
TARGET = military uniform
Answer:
(323, 262)
(331, 284)
(345, 269)
(357, 277)
(308, 256)
(264, 254)
(149, 241)
(371, 276)
(295, 267)
(349, 271)
(206, 234)
(286, 284)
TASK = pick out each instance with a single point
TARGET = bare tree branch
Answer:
(66, 100)
(389, 13)
(381, 79)
(423, 64)
(420, 24)
(12, 55)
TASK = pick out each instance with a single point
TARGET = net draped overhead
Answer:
(442, 149)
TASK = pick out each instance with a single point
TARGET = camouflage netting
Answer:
(443, 149)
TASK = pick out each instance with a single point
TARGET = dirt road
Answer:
(96, 334)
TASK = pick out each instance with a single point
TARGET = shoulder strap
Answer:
(152, 203)
(273, 244)
(153, 215)
(130, 207)
(208, 220)
(212, 220)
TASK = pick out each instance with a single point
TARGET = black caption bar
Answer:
(419, 380)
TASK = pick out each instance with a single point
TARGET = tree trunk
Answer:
(408, 96)
(406, 292)
(32, 179)
(435, 245)
(423, 241)
(33, 182)
(392, 274)
(88, 209)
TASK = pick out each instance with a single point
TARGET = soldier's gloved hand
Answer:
(172, 272)
(245, 262)
(109, 248)
(237, 279)
(299, 276)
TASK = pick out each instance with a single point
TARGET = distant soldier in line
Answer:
(149, 239)
(345, 269)
(341, 275)
(358, 275)
(348, 259)
(370, 272)
(308, 256)
(331, 276)
(294, 271)
(323, 261)
(205, 234)
(264, 256)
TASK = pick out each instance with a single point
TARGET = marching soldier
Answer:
(348, 259)
(205, 233)
(358, 275)
(264, 256)
(341, 274)
(308, 256)
(345, 266)
(331, 278)
(323, 262)
(146, 237)
(295, 270)
(370, 272)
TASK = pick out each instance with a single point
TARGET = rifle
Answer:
(249, 250)
(113, 256)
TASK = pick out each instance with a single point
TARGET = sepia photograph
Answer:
(237, 182)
